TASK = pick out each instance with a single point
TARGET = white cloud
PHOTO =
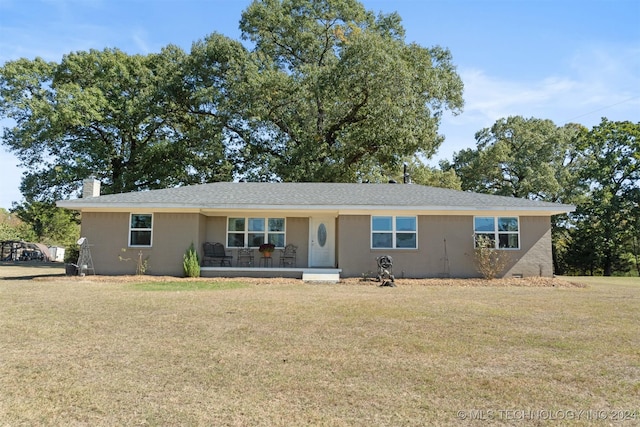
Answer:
(140, 38)
(606, 62)
(599, 82)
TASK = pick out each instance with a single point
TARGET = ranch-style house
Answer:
(335, 228)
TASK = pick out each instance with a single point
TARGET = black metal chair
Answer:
(245, 257)
(288, 256)
(215, 253)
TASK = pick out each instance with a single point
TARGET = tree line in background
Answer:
(327, 92)
(597, 170)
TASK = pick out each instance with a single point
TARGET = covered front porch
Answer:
(307, 274)
(302, 247)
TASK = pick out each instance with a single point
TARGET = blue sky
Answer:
(564, 60)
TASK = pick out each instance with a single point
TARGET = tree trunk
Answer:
(635, 253)
(607, 265)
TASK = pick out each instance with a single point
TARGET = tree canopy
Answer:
(327, 92)
(107, 114)
(9, 226)
(317, 90)
(336, 92)
(598, 170)
(607, 221)
(519, 157)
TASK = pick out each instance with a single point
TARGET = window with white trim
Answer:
(252, 232)
(502, 231)
(394, 232)
(140, 230)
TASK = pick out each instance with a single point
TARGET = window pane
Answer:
(483, 223)
(235, 240)
(406, 240)
(483, 237)
(276, 224)
(381, 240)
(256, 239)
(256, 224)
(140, 238)
(140, 221)
(382, 223)
(509, 241)
(406, 223)
(277, 239)
(236, 224)
(508, 224)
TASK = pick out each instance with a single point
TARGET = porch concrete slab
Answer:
(321, 275)
(306, 274)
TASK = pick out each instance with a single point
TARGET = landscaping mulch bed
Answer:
(55, 272)
(352, 281)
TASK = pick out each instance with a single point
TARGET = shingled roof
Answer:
(311, 196)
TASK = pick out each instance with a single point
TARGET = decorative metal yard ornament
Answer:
(385, 271)
(85, 262)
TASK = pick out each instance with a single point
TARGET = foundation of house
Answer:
(326, 275)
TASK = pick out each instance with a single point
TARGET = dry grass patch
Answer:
(110, 352)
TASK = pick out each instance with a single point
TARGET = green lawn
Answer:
(79, 352)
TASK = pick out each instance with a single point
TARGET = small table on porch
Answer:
(266, 261)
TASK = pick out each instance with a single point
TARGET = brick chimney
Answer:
(90, 188)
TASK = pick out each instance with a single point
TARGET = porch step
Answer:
(332, 276)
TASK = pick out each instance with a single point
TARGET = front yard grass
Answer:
(110, 353)
(606, 281)
(186, 285)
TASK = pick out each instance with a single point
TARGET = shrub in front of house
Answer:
(489, 261)
(191, 263)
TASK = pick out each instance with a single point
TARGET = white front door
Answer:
(322, 241)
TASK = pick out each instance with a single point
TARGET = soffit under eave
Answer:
(388, 211)
(459, 212)
(333, 211)
(136, 209)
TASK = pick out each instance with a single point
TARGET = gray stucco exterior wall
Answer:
(445, 248)
(535, 257)
(108, 235)
(445, 244)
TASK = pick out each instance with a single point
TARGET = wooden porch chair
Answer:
(215, 253)
(288, 256)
